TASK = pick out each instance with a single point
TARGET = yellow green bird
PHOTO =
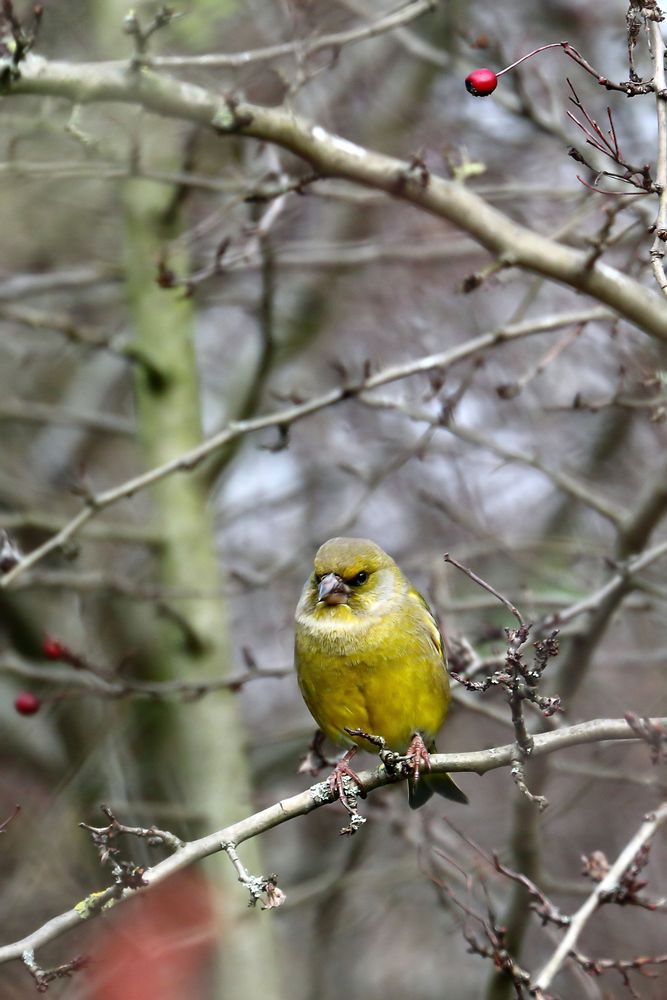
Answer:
(369, 657)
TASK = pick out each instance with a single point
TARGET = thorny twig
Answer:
(542, 905)
(607, 144)
(103, 836)
(631, 88)
(519, 679)
(640, 964)
(547, 911)
(495, 947)
(626, 891)
(608, 884)
(126, 874)
(622, 892)
(493, 944)
(44, 977)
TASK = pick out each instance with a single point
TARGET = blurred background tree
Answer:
(162, 284)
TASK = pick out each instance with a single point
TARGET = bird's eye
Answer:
(360, 578)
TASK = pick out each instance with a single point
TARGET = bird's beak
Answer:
(332, 590)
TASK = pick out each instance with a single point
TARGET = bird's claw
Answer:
(341, 771)
(420, 757)
(376, 741)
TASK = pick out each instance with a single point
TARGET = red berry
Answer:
(52, 649)
(481, 82)
(27, 703)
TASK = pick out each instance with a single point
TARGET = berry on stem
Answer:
(481, 82)
(53, 649)
(27, 703)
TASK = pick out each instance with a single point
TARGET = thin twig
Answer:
(187, 461)
(332, 155)
(569, 484)
(608, 884)
(72, 682)
(5, 823)
(658, 247)
(487, 586)
(302, 48)
(617, 583)
(481, 761)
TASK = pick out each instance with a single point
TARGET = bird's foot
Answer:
(337, 784)
(315, 760)
(376, 741)
(420, 757)
(394, 763)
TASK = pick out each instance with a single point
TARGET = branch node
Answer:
(519, 775)
(652, 733)
(141, 36)
(257, 885)
(44, 977)
(228, 119)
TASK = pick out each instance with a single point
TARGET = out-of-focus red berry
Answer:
(52, 649)
(27, 703)
(481, 82)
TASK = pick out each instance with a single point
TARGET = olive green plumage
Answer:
(369, 656)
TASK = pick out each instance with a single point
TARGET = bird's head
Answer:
(351, 573)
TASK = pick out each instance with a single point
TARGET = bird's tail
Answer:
(421, 791)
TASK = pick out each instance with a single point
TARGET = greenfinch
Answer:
(370, 662)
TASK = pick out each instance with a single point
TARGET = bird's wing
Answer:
(429, 622)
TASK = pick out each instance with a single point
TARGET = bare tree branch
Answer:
(188, 461)
(333, 156)
(480, 761)
(608, 884)
(660, 84)
(302, 48)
